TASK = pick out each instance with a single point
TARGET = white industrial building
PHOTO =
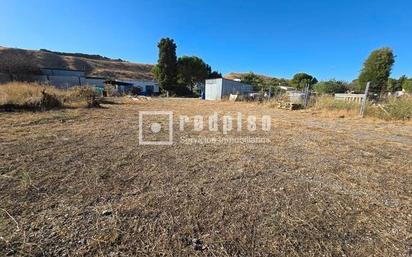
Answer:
(148, 87)
(217, 89)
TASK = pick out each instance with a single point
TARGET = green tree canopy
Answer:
(299, 80)
(213, 74)
(407, 85)
(192, 69)
(395, 84)
(252, 79)
(377, 69)
(275, 82)
(165, 72)
(331, 87)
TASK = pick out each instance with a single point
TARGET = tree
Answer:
(331, 87)
(165, 72)
(407, 86)
(395, 84)
(213, 74)
(376, 69)
(299, 80)
(275, 82)
(192, 70)
(254, 80)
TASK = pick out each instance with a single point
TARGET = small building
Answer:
(217, 89)
(148, 87)
(93, 81)
(125, 86)
(288, 89)
(62, 78)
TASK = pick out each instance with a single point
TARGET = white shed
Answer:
(216, 89)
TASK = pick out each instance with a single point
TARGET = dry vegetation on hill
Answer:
(14, 60)
(76, 183)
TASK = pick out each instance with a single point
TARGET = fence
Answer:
(350, 97)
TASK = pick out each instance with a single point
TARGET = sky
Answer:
(328, 39)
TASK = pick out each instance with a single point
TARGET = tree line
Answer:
(376, 69)
(180, 75)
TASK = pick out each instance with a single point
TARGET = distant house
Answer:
(288, 89)
(217, 89)
(147, 87)
(64, 78)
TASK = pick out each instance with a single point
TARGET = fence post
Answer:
(365, 96)
(305, 103)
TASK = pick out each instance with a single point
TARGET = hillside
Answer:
(13, 60)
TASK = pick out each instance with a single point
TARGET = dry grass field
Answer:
(75, 182)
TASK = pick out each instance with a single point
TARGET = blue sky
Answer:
(329, 39)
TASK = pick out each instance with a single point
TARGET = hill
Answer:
(14, 60)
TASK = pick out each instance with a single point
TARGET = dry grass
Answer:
(32, 96)
(389, 109)
(396, 109)
(21, 93)
(76, 183)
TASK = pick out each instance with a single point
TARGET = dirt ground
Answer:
(77, 183)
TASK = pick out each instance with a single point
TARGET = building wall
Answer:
(234, 87)
(4, 78)
(143, 83)
(92, 82)
(64, 81)
(213, 89)
(217, 89)
(69, 73)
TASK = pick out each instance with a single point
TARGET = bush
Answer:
(407, 86)
(396, 109)
(331, 87)
(110, 89)
(86, 93)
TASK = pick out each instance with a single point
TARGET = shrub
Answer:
(396, 109)
(110, 89)
(407, 86)
(331, 87)
(86, 93)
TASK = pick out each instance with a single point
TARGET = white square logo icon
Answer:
(155, 128)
